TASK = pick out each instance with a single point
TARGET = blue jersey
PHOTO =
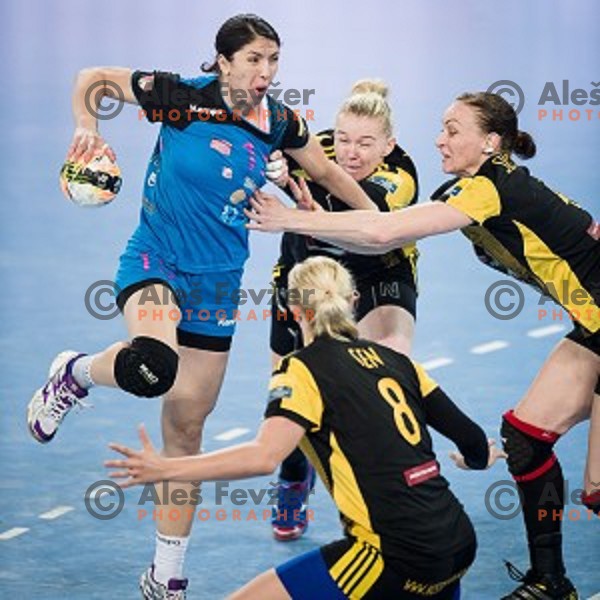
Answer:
(206, 164)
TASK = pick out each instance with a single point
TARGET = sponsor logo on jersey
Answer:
(237, 196)
(150, 207)
(250, 184)
(221, 146)
(422, 473)
(384, 182)
(249, 147)
(280, 392)
(226, 322)
(455, 191)
(213, 112)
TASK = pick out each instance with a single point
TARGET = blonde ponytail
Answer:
(324, 291)
(369, 99)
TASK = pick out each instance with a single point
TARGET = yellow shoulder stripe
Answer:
(303, 397)
(399, 184)
(426, 383)
(477, 197)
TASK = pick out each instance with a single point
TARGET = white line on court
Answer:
(544, 331)
(9, 534)
(231, 434)
(489, 347)
(100, 490)
(59, 511)
(436, 363)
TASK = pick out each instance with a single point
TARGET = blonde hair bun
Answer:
(371, 86)
(369, 99)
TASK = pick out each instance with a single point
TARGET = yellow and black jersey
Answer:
(392, 186)
(525, 229)
(365, 409)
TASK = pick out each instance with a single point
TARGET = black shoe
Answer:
(540, 587)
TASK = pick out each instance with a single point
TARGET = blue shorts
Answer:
(350, 568)
(207, 302)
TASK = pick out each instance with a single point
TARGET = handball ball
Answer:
(93, 184)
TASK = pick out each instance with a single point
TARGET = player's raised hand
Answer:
(495, 454)
(86, 144)
(268, 213)
(277, 169)
(302, 195)
(138, 466)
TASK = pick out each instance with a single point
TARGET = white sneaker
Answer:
(51, 403)
(154, 590)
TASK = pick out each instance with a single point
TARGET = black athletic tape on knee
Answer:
(592, 501)
(146, 368)
(529, 448)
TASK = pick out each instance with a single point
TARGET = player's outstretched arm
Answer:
(91, 86)
(475, 450)
(364, 232)
(275, 440)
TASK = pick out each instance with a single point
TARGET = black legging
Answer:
(294, 467)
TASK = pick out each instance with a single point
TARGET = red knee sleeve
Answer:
(529, 448)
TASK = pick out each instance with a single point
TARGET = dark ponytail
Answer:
(496, 115)
(236, 33)
(524, 146)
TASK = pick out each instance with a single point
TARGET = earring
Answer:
(488, 151)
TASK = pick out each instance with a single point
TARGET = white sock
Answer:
(81, 371)
(169, 557)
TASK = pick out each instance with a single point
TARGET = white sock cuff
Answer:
(82, 371)
(169, 557)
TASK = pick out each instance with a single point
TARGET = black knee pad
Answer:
(529, 448)
(592, 501)
(146, 368)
